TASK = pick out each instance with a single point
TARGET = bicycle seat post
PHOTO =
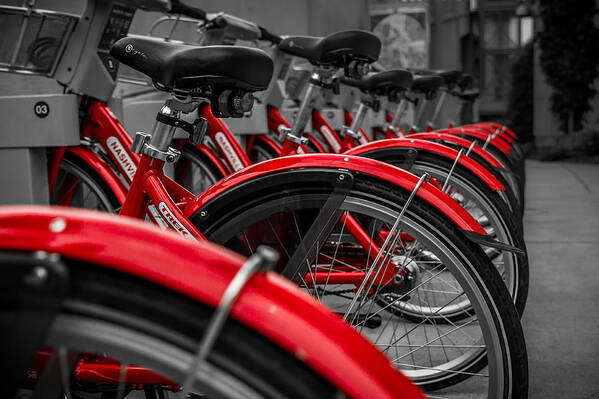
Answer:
(354, 130)
(157, 144)
(360, 114)
(438, 108)
(163, 134)
(419, 112)
(458, 113)
(399, 111)
(321, 78)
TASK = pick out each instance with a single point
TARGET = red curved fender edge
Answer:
(408, 142)
(482, 135)
(494, 126)
(495, 130)
(382, 170)
(270, 305)
(461, 142)
(504, 128)
(103, 169)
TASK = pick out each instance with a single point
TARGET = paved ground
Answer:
(561, 321)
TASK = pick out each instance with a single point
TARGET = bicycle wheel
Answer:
(512, 166)
(506, 160)
(447, 275)
(507, 178)
(194, 171)
(485, 205)
(260, 151)
(130, 321)
(78, 185)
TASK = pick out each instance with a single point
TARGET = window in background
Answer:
(403, 27)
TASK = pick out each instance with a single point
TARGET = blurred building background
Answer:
(480, 37)
(483, 38)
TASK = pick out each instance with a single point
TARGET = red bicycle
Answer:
(199, 318)
(386, 250)
(469, 183)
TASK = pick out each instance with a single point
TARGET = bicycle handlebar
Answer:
(266, 35)
(240, 28)
(193, 12)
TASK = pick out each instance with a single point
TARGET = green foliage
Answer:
(569, 44)
(520, 102)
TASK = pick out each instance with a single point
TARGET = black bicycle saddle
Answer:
(334, 48)
(427, 83)
(450, 77)
(186, 67)
(382, 82)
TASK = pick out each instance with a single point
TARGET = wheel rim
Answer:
(77, 334)
(484, 213)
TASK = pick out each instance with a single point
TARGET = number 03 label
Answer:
(41, 109)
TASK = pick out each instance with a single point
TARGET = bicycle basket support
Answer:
(33, 39)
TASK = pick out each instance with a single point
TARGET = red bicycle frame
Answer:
(170, 205)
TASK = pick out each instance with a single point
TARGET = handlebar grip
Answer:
(193, 12)
(266, 35)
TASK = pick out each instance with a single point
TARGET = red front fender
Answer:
(381, 170)
(268, 304)
(437, 148)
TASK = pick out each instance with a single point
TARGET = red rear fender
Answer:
(268, 304)
(440, 149)
(377, 169)
(481, 135)
(450, 138)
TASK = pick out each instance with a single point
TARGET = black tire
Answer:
(439, 166)
(227, 218)
(507, 161)
(505, 177)
(143, 315)
(195, 171)
(88, 189)
(260, 151)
